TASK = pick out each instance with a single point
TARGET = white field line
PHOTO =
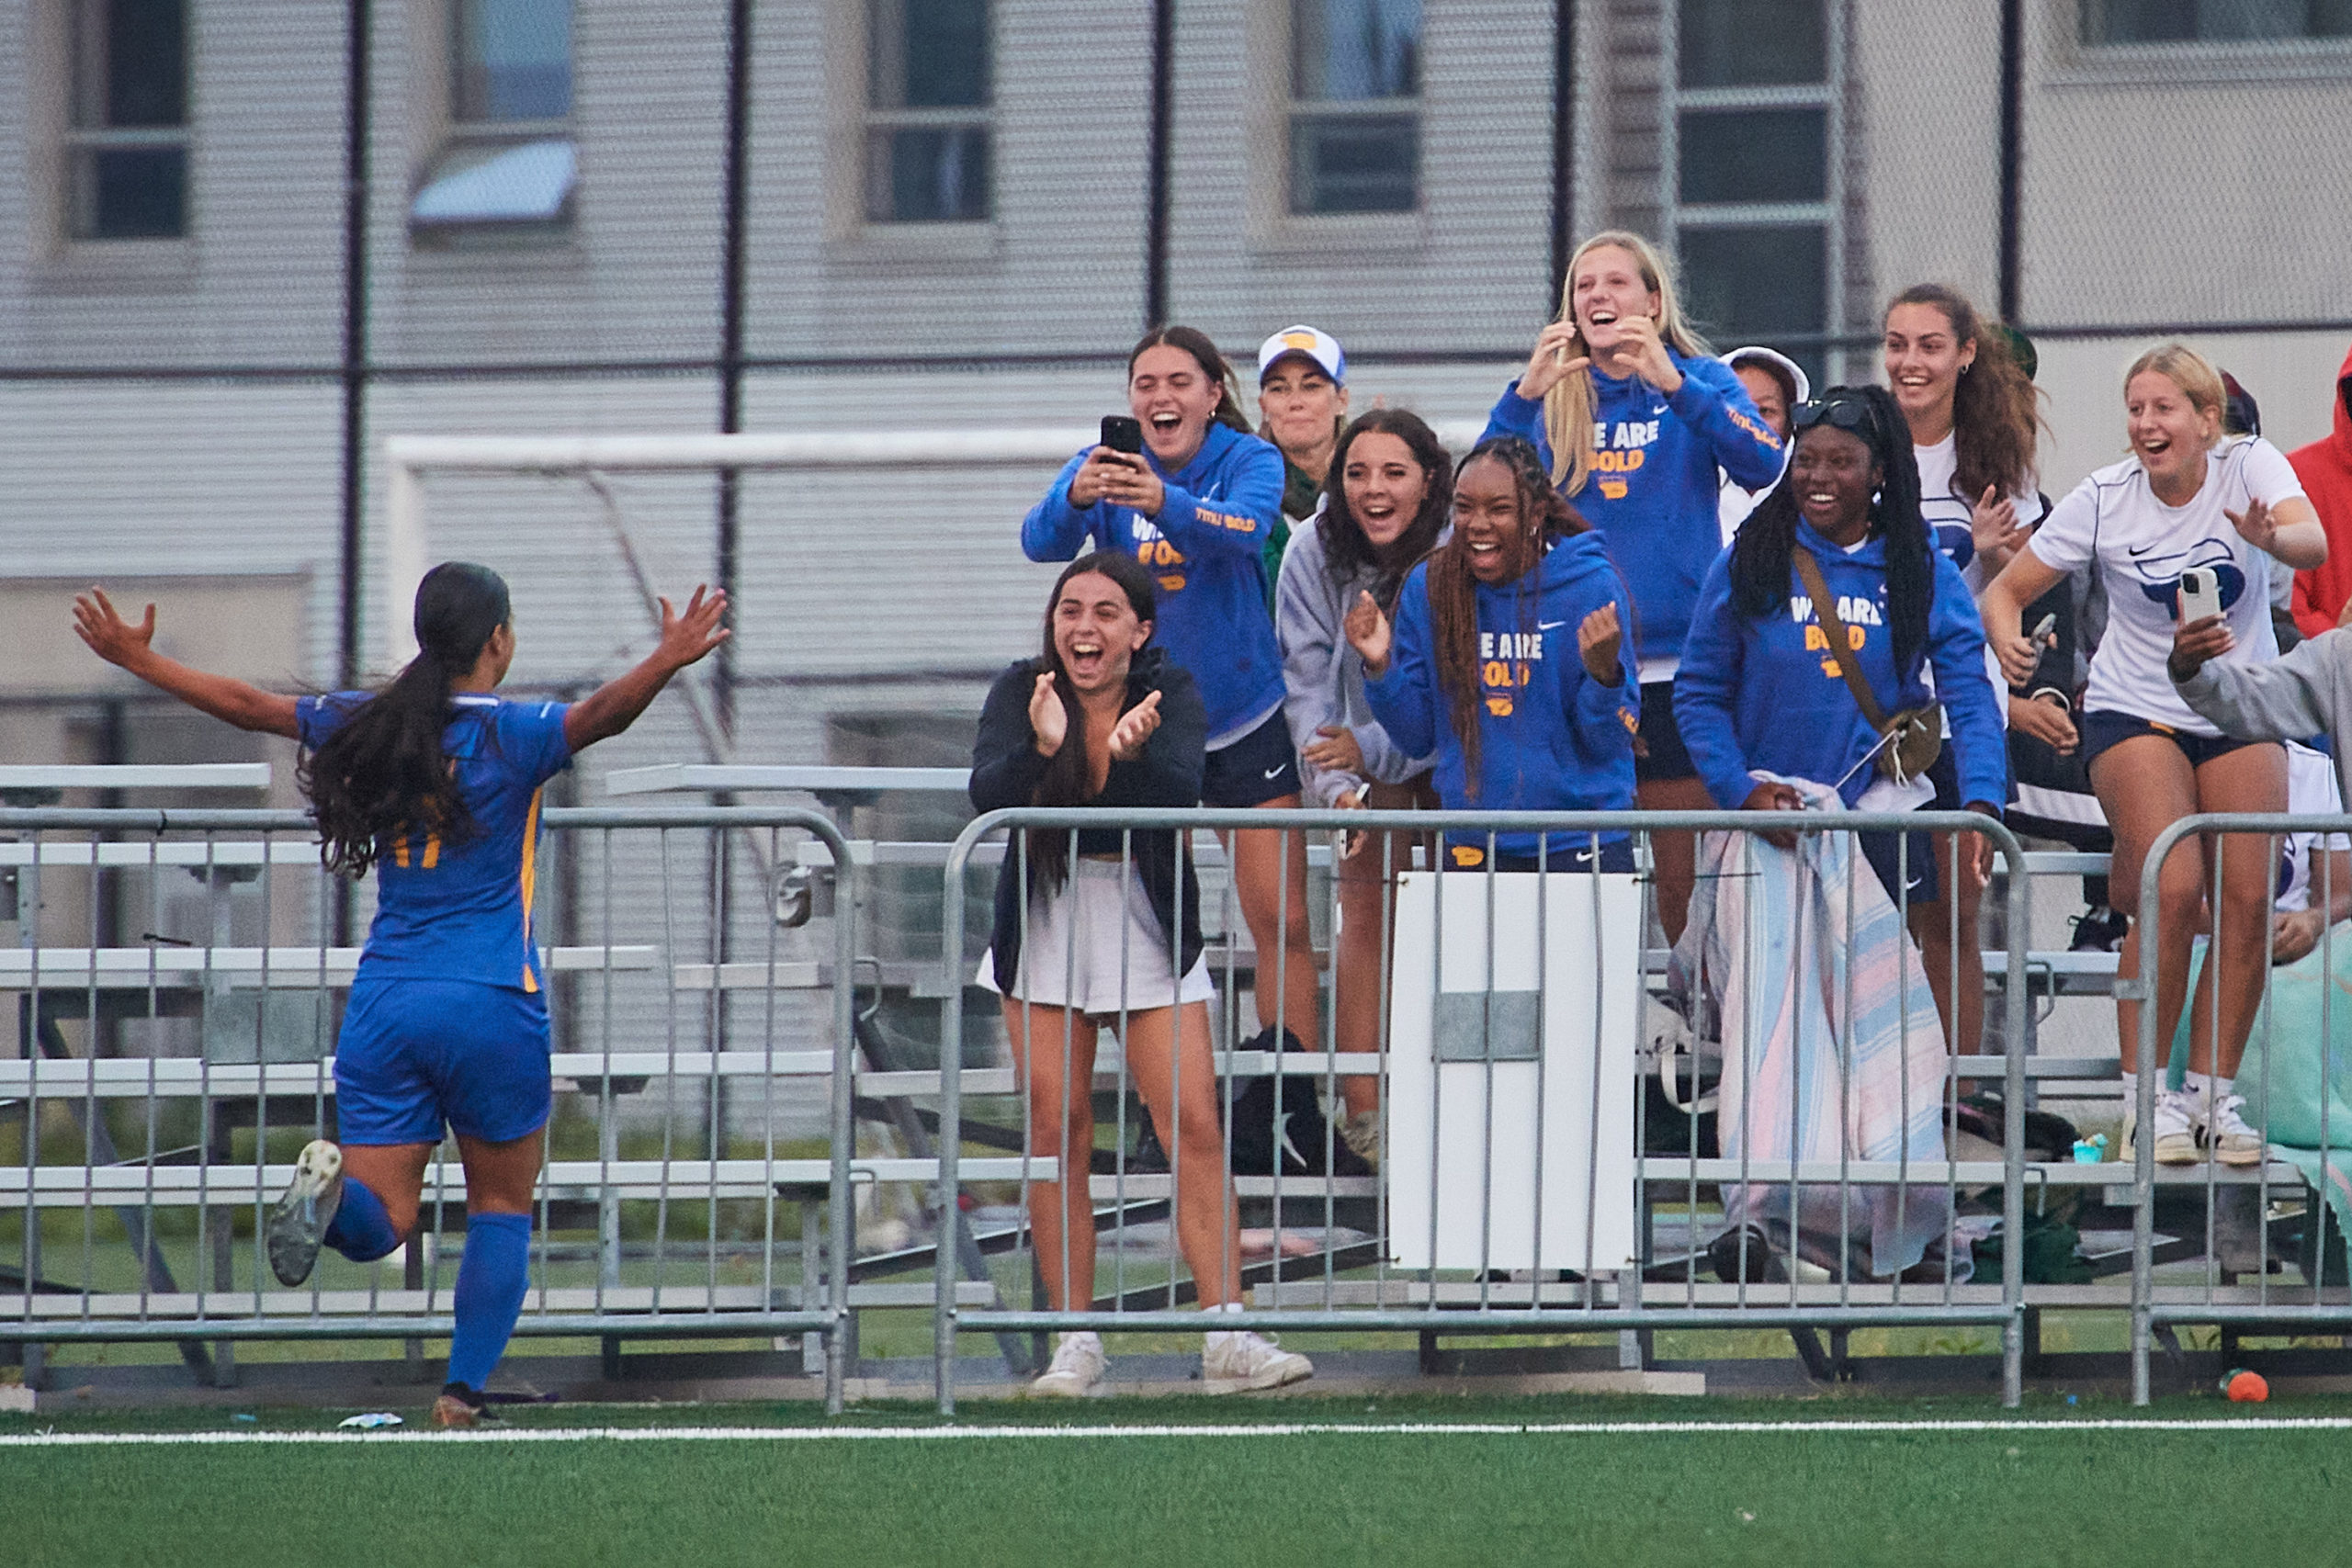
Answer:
(1266, 1429)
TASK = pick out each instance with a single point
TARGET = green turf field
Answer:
(1753, 1482)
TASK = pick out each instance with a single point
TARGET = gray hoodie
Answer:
(1322, 675)
(2300, 695)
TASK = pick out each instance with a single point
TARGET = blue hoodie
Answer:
(1551, 737)
(1654, 492)
(1205, 550)
(1765, 692)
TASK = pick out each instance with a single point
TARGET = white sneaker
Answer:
(1361, 1132)
(2228, 1136)
(1076, 1367)
(2176, 1121)
(1252, 1361)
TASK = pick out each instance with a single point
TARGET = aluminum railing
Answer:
(1428, 1289)
(691, 1005)
(2228, 1208)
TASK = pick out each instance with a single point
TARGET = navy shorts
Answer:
(1615, 854)
(1258, 768)
(2104, 728)
(415, 1053)
(1916, 869)
(1659, 752)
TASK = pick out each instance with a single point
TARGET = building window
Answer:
(509, 164)
(126, 139)
(1355, 109)
(2214, 21)
(1753, 189)
(930, 84)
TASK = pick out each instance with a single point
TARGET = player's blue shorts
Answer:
(415, 1053)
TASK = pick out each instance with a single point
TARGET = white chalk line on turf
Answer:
(1254, 1430)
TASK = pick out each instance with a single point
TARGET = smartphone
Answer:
(2042, 628)
(1123, 433)
(2201, 594)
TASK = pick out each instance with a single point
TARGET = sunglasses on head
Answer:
(1844, 413)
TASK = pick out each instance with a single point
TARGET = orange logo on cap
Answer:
(1300, 340)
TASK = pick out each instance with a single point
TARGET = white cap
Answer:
(1316, 346)
(1774, 356)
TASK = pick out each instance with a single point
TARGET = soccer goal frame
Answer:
(410, 459)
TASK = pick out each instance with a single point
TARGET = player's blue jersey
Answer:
(462, 911)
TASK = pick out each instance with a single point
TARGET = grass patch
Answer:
(1347, 1497)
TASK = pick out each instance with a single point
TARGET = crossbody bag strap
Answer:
(1824, 610)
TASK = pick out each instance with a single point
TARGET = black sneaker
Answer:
(2100, 929)
(298, 1222)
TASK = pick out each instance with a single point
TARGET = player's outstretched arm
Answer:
(686, 636)
(118, 642)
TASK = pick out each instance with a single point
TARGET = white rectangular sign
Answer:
(1497, 1158)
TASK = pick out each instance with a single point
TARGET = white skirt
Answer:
(1095, 947)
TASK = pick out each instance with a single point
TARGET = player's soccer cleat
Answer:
(460, 1407)
(1076, 1368)
(297, 1223)
(1244, 1360)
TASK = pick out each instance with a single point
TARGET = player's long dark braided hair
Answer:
(1762, 560)
(1544, 517)
(383, 776)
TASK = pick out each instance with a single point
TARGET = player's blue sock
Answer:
(490, 1282)
(362, 1231)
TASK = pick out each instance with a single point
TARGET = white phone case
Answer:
(2201, 596)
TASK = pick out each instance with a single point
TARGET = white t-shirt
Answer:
(2311, 792)
(1947, 511)
(2142, 546)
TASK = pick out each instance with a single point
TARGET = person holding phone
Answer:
(1393, 488)
(1110, 936)
(1195, 506)
(1639, 426)
(2190, 515)
(1507, 659)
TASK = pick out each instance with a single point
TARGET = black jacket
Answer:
(1006, 771)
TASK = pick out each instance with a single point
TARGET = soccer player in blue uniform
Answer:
(435, 784)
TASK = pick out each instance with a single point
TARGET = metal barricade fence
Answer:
(670, 1227)
(2224, 1211)
(1518, 1192)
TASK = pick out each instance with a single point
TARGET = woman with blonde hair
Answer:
(1634, 418)
(2186, 501)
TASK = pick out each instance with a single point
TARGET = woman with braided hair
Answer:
(1761, 692)
(1509, 659)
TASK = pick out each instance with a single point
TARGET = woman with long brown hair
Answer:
(1384, 508)
(1107, 931)
(1196, 506)
(1974, 418)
